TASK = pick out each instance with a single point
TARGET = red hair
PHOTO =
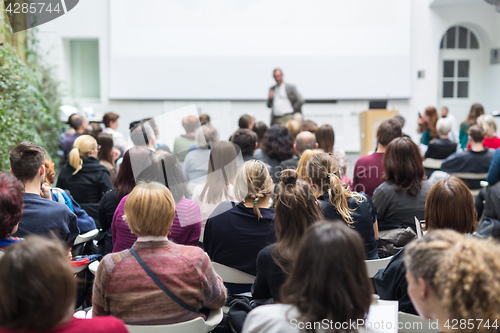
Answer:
(11, 203)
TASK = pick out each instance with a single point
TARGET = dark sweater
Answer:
(441, 149)
(46, 217)
(269, 278)
(469, 161)
(89, 184)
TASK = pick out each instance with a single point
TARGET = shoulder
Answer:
(98, 325)
(223, 209)
(266, 252)
(272, 318)
(426, 186)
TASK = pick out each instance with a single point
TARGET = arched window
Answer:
(458, 37)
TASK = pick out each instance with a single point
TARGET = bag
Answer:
(488, 228)
(394, 240)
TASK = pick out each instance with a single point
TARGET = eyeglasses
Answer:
(98, 147)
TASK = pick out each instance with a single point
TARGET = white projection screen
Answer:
(227, 49)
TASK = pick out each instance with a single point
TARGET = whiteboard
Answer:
(227, 49)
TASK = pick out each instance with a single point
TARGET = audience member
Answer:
(427, 125)
(476, 110)
(107, 155)
(453, 134)
(96, 129)
(110, 121)
(452, 278)
(246, 121)
(79, 123)
(183, 142)
(143, 135)
(402, 121)
(293, 126)
(196, 162)
(328, 282)
(277, 146)
(185, 271)
(237, 231)
(449, 205)
(83, 175)
(11, 210)
(443, 147)
(309, 125)
(339, 203)
(369, 170)
(304, 141)
(42, 216)
(260, 128)
(325, 136)
(301, 167)
(38, 292)
(488, 124)
(219, 186)
(402, 195)
(204, 119)
(296, 210)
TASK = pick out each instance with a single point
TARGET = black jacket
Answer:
(89, 184)
(441, 149)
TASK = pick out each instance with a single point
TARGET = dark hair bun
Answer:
(289, 176)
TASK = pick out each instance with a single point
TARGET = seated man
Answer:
(442, 147)
(41, 216)
(369, 169)
(246, 140)
(304, 140)
(183, 142)
(110, 120)
(79, 123)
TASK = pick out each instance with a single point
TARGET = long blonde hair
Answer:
(304, 158)
(324, 171)
(253, 182)
(82, 147)
(487, 122)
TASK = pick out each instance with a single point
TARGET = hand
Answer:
(45, 191)
(271, 94)
(420, 121)
(70, 256)
(115, 153)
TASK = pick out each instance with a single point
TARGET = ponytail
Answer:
(74, 160)
(82, 147)
(255, 198)
(338, 197)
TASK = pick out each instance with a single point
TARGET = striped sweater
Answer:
(123, 289)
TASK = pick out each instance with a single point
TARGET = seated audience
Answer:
(79, 124)
(427, 125)
(401, 197)
(339, 203)
(309, 125)
(296, 210)
(488, 124)
(303, 141)
(247, 141)
(110, 121)
(186, 271)
(293, 126)
(107, 155)
(218, 187)
(204, 119)
(142, 134)
(186, 226)
(328, 282)
(325, 136)
(42, 216)
(443, 147)
(301, 166)
(260, 128)
(277, 146)
(237, 231)
(196, 162)
(183, 142)
(39, 290)
(446, 114)
(11, 210)
(369, 170)
(449, 205)
(453, 279)
(476, 110)
(402, 121)
(246, 121)
(83, 175)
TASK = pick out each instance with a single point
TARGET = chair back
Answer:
(232, 275)
(473, 180)
(432, 163)
(373, 266)
(84, 238)
(410, 323)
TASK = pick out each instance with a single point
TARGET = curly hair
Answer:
(278, 143)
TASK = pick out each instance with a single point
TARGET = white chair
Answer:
(93, 266)
(432, 163)
(197, 325)
(373, 266)
(409, 323)
(471, 176)
(232, 275)
(84, 238)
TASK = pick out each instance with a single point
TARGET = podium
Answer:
(369, 121)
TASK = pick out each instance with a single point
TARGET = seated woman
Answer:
(277, 146)
(449, 206)
(107, 155)
(452, 279)
(328, 281)
(402, 195)
(236, 232)
(11, 209)
(325, 136)
(196, 161)
(338, 202)
(122, 287)
(296, 209)
(84, 177)
(186, 227)
(39, 290)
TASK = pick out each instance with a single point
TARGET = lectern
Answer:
(369, 121)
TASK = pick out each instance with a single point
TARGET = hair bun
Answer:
(289, 176)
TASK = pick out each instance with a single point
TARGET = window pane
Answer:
(462, 38)
(474, 44)
(441, 46)
(450, 38)
(463, 68)
(463, 89)
(448, 89)
(85, 79)
(449, 68)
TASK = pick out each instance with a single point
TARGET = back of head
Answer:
(403, 166)
(150, 209)
(245, 139)
(261, 129)
(105, 153)
(309, 125)
(206, 136)
(487, 122)
(444, 126)
(430, 124)
(190, 123)
(130, 168)
(278, 143)
(38, 285)
(142, 134)
(476, 110)
(204, 119)
(305, 140)
(50, 173)
(109, 117)
(11, 204)
(26, 159)
(76, 121)
(329, 278)
(450, 205)
(401, 119)
(253, 182)
(476, 133)
(293, 126)
(302, 165)
(82, 147)
(246, 121)
(388, 131)
(325, 136)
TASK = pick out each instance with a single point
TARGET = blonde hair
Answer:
(487, 122)
(293, 126)
(150, 209)
(304, 158)
(324, 171)
(82, 147)
(461, 271)
(253, 182)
